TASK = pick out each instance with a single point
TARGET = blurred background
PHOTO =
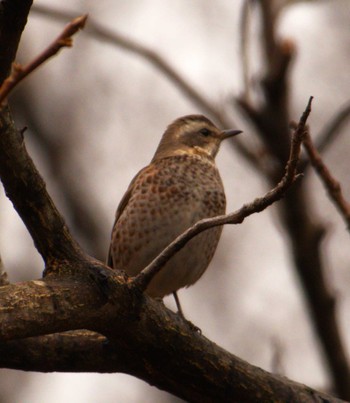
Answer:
(95, 114)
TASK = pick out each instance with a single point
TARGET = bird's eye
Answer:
(204, 132)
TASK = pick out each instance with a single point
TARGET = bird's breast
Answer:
(168, 197)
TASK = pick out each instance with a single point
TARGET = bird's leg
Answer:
(179, 309)
(180, 312)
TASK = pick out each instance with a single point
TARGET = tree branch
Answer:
(330, 183)
(80, 207)
(19, 72)
(17, 170)
(174, 358)
(271, 119)
(20, 177)
(13, 18)
(333, 128)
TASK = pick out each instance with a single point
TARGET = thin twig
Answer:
(20, 72)
(331, 184)
(143, 279)
(333, 128)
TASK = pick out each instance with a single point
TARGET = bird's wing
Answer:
(123, 203)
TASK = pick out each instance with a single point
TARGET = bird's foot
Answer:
(193, 327)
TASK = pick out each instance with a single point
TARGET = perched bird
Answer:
(179, 187)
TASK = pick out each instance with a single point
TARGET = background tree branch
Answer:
(271, 120)
(330, 183)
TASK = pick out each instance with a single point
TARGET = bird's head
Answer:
(194, 135)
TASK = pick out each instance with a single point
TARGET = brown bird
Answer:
(179, 187)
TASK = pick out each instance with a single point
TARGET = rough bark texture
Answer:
(144, 339)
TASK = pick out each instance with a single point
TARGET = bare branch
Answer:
(271, 119)
(37, 210)
(82, 215)
(17, 171)
(333, 128)
(13, 18)
(194, 368)
(330, 183)
(143, 279)
(20, 72)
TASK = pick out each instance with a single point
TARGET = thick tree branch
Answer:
(174, 357)
(13, 18)
(20, 177)
(54, 148)
(237, 217)
(17, 170)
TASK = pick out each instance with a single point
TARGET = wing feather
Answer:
(123, 203)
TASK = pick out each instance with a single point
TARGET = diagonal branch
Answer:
(13, 18)
(333, 128)
(330, 183)
(82, 215)
(19, 72)
(17, 170)
(37, 210)
(143, 279)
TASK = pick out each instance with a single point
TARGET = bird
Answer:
(179, 187)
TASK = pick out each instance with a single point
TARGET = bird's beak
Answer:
(225, 134)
